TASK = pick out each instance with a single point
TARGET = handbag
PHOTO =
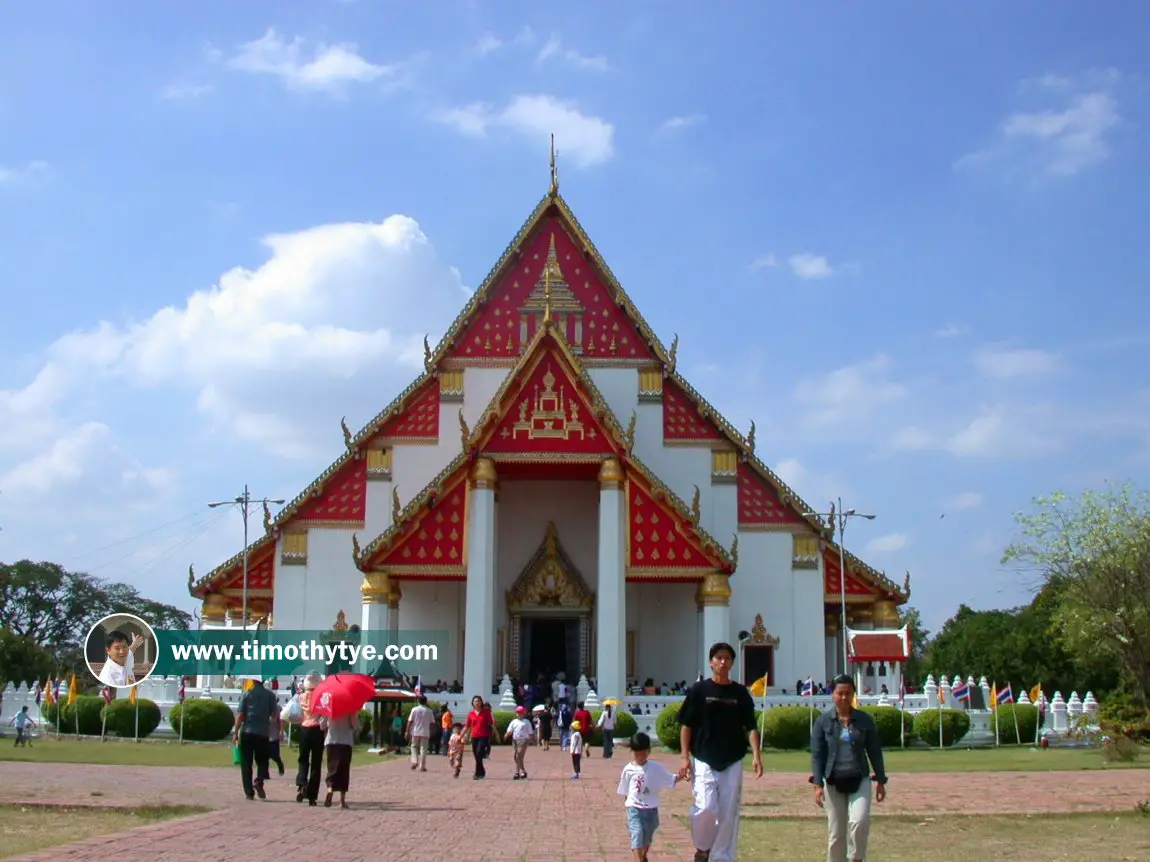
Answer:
(847, 784)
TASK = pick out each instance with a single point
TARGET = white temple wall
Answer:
(329, 583)
(288, 593)
(479, 387)
(524, 508)
(432, 611)
(620, 388)
(378, 515)
(810, 627)
(666, 631)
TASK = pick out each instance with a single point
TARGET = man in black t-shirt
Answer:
(718, 721)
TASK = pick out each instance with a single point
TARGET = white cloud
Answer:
(31, 174)
(851, 392)
(811, 485)
(962, 502)
(1004, 364)
(589, 140)
(324, 68)
(766, 261)
(554, 49)
(810, 266)
(185, 92)
(887, 544)
(1002, 431)
(487, 44)
(675, 124)
(951, 330)
(1064, 135)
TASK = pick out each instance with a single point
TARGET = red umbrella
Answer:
(342, 694)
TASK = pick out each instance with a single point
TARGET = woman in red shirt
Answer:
(478, 728)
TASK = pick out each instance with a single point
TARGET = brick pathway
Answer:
(400, 815)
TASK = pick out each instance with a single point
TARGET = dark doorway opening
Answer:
(757, 662)
(552, 646)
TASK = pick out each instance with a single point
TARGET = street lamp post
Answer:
(244, 501)
(838, 518)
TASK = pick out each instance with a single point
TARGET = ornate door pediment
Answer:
(550, 582)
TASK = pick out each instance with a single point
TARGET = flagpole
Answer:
(1014, 712)
(940, 745)
(137, 718)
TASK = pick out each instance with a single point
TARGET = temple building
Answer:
(553, 495)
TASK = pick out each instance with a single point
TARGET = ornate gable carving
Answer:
(760, 636)
(550, 581)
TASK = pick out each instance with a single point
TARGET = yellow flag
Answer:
(132, 696)
(72, 693)
(993, 695)
(1036, 693)
(249, 684)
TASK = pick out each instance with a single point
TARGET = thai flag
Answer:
(1005, 696)
(38, 692)
(419, 684)
(808, 688)
(902, 691)
(961, 692)
(183, 691)
(107, 693)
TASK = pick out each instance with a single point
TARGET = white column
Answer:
(213, 614)
(611, 602)
(715, 597)
(479, 648)
(372, 620)
(394, 594)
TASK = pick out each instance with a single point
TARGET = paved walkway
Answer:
(400, 815)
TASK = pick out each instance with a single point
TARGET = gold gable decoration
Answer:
(760, 636)
(553, 415)
(550, 581)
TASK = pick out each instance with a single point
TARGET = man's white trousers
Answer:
(715, 812)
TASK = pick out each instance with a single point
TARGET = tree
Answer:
(1094, 553)
(54, 609)
(22, 659)
(913, 672)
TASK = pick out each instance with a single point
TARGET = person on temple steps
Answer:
(844, 739)
(718, 723)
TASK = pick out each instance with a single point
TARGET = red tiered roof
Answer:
(431, 544)
(682, 419)
(419, 420)
(877, 646)
(662, 540)
(833, 584)
(343, 499)
(261, 571)
(590, 320)
(760, 504)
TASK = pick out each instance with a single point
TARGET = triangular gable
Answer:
(663, 540)
(548, 412)
(342, 501)
(428, 539)
(760, 505)
(855, 586)
(683, 420)
(597, 317)
(261, 571)
(417, 420)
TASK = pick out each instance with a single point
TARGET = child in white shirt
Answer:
(641, 783)
(576, 747)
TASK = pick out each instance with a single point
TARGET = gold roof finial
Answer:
(554, 190)
(547, 290)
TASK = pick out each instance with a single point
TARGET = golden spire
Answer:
(554, 190)
(547, 290)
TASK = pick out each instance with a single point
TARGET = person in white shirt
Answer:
(607, 724)
(520, 731)
(119, 669)
(576, 743)
(419, 732)
(641, 783)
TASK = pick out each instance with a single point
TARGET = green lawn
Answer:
(27, 828)
(130, 753)
(956, 839)
(1002, 759)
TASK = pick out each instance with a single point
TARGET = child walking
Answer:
(575, 742)
(455, 747)
(641, 783)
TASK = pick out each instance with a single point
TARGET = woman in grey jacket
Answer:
(844, 740)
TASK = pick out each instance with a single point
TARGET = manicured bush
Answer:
(1124, 715)
(363, 732)
(788, 727)
(1005, 714)
(120, 717)
(955, 725)
(625, 726)
(202, 720)
(892, 724)
(667, 726)
(502, 719)
(87, 709)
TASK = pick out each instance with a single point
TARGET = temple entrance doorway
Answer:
(550, 645)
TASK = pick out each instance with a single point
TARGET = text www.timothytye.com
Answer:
(304, 651)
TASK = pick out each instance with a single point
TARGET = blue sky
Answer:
(905, 242)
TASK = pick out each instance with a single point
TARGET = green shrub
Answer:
(667, 726)
(1027, 715)
(625, 726)
(788, 727)
(207, 720)
(892, 724)
(1124, 715)
(87, 709)
(502, 719)
(955, 725)
(363, 732)
(120, 717)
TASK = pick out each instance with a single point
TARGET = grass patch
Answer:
(26, 828)
(956, 839)
(1002, 759)
(130, 753)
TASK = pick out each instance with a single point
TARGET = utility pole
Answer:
(838, 520)
(244, 501)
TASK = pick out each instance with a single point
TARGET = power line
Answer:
(91, 553)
